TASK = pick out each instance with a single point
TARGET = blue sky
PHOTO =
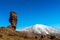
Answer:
(31, 12)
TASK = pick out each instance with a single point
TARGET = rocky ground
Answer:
(8, 34)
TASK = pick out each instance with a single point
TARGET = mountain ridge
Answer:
(8, 34)
(41, 29)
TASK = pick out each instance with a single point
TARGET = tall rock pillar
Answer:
(13, 20)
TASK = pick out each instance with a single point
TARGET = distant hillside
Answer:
(8, 34)
(42, 30)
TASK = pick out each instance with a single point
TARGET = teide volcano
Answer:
(42, 30)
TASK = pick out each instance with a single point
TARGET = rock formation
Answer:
(13, 20)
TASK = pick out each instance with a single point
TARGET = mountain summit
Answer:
(41, 29)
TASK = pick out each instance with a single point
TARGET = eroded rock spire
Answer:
(13, 20)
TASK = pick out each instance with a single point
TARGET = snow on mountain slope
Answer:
(41, 29)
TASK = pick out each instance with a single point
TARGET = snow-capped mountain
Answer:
(41, 29)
